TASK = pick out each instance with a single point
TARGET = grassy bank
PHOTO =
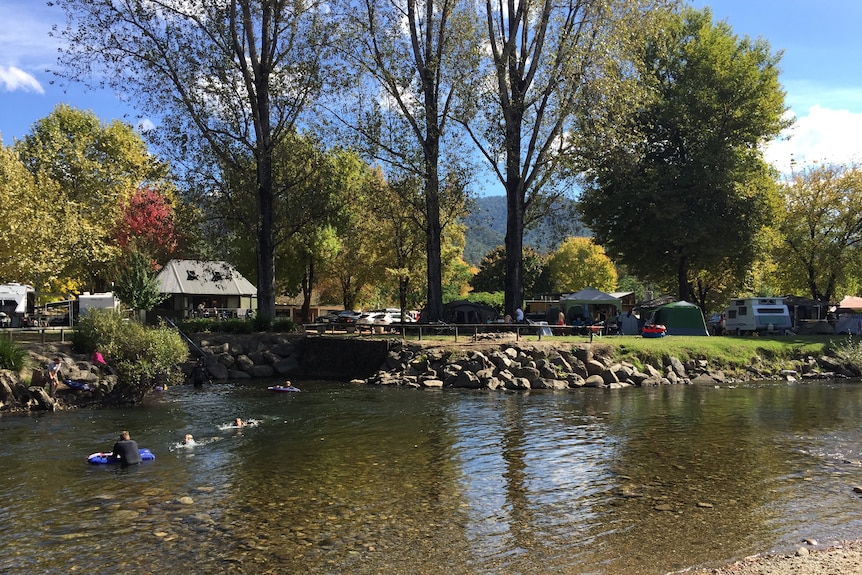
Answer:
(732, 354)
(729, 353)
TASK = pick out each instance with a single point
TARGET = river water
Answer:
(356, 479)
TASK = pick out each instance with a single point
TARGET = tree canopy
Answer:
(94, 169)
(229, 81)
(675, 182)
(821, 231)
(580, 263)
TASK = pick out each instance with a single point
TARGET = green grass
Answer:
(729, 353)
(726, 352)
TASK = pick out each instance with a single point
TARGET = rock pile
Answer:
(81, 383)
(524, 366)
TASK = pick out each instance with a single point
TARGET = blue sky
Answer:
(821, 72)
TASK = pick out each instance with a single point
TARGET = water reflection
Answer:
(379, 480)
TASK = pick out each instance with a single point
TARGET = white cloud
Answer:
(12, 78)
(823, 136)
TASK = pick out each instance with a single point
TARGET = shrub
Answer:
(848, 352)
(141, 356)
(261, 323)
(12, 356)
(283, 324)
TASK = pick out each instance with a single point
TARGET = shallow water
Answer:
(357, 479)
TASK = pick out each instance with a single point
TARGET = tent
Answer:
(681, 318)
(588, 302)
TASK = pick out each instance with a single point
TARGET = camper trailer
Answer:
(748, 315)
(16, 302)
(88, 301)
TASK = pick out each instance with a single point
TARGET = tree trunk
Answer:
(682, 278)
(515, 194)
(307, 287)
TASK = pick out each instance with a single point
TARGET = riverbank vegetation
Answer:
(141, 356)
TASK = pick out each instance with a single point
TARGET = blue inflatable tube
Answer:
(282, 388)
(101, 458)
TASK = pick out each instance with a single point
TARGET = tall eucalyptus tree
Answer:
(539, 57)
(413, 57)
(228, 79)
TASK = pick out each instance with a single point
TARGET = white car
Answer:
(384, 318)
(367, 318)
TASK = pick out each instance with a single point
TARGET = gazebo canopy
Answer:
(590, 296)
(851, 302)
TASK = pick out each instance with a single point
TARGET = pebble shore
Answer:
(840, 558)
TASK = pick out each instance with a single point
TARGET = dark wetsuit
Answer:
(127, 452)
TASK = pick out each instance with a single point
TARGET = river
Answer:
(355, 479)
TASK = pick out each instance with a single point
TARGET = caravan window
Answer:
(731, 314)
(743, 311)
(776, 310)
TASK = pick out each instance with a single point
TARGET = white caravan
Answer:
(747, 315)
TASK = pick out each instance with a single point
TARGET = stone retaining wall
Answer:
(525, 366)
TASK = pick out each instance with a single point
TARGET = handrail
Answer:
(188, 340)
(457, 330)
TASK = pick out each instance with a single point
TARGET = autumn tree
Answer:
(579, 263)
(676, 184)
(228, 80)
(147, 223)
(32, 248)
(400, 238)
(97, 167)
(821, 230)
(540, 57)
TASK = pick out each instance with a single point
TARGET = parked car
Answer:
(384, 318)
(347, 317)
(367, 318)
(330, 317)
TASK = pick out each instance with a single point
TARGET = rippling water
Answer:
(355, 479)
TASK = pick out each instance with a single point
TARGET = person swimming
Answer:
(189, 439)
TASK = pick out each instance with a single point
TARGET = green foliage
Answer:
(493, 299)
(13, 357)
(136, 283)
(262, 323)
(821, 231)
(848, 352)
(142, 356)
(491, 276)
(677, 182)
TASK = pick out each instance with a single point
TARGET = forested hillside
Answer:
(486, 229)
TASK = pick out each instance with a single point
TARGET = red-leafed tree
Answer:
(147, 224)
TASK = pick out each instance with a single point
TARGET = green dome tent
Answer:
(680, 318)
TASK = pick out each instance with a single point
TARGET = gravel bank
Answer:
(843, 558)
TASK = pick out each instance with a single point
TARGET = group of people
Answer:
(54, 366)
(127, 452)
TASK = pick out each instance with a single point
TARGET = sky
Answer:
(821, 72)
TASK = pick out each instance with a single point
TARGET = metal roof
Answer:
(199, 277)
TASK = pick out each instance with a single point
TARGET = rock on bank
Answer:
(524, 366)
